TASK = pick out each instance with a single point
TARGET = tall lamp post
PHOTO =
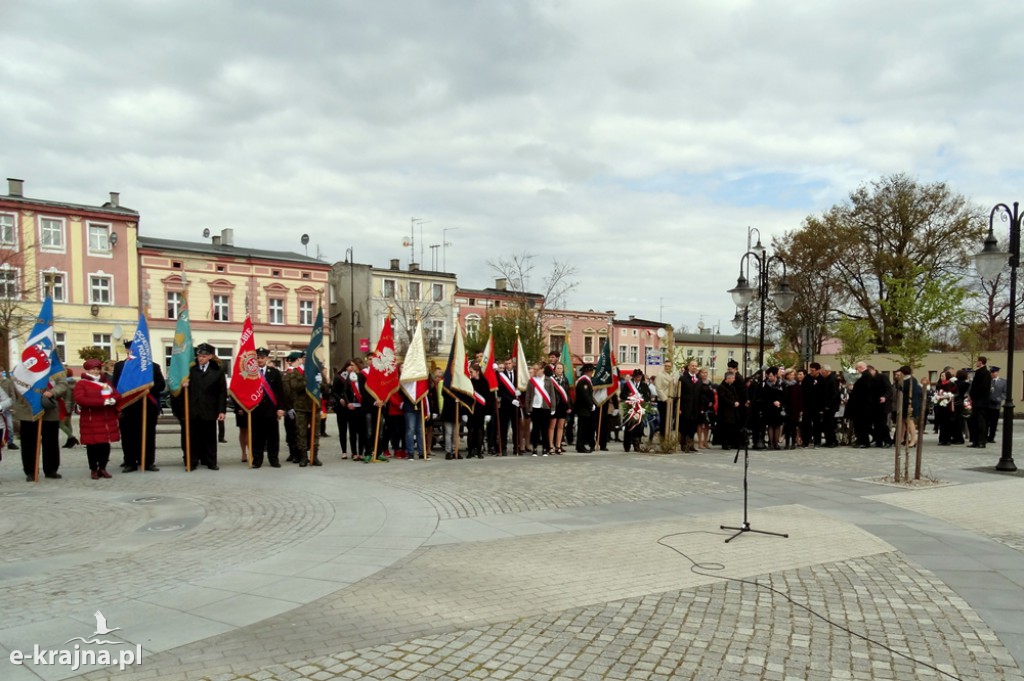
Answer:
(350, 258)
(990, 262)
(744, 293)
(739, 322)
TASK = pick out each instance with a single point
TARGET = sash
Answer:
(633, 388)
(267, 390)
(507, 382)
(355, 391)
(561, 390)
(539, 386)
(481, 400)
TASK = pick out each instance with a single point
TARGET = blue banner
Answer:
(137, 372)
(39, 360)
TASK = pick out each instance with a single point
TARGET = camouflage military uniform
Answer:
(302, 404)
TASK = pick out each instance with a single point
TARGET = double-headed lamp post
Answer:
(990, 262)
(744, 293)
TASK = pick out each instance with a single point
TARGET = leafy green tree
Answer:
(886, 234)
(93, 352)
(857, 339)
(924, 304)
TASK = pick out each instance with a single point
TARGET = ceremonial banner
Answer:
(566, 361)
(414, 372)
(182, 357)
(456, 377)
(137, 373)
(383, 380)
(246, 386)
(522, 368)
(39, 361)
(487, 369)
(603, 380)
(313, 367)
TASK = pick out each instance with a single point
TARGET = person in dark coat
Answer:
(980, 391)
(963, 389)
(633, 431)
(585, 409)
(131, 421)
(207, 406)
(793, 404)
(881, 408)
(690, 390)
(813, 409)
(830, 401)
(266, 433)
(945, 406)
(859, 407)
(772, 397)
(481, 415)
(98, 425)
(729, 413)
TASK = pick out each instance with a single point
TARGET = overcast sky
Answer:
(636, 140)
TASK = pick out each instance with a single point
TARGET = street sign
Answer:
(653, 357)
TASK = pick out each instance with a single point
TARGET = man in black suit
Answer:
(584, 408)
(131, 421)
(980, 392)
(690, 388)
(508, 408)
(633, 433)
(207, 404)
(266, 435)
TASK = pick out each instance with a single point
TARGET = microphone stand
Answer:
(745, 527)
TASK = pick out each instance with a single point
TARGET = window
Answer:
(588, 345)
(276, 311)
(168, 353)
(275, 273)
(414, 290)
(60, 343)
(634, 354)
(225, 357)
(472, 324)
(221, 268)
(438, 292)
(437, 330)
(305, 275)
(389, 288)
(497, 303)
(10, 279)
(624, 333)
(472, 302)
(731, 353)
(102, 341)
(176, 264)
(54, 282)
(622, 354)
(101, 289)
(556, 343)
(221, 307)
(700, 358)
(8, 235)
(51, 234)
(634, 333)
(174, 301)
(306, 312)
(99, 238)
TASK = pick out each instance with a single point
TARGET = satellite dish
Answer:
(118, 332)
(206, 233)
(661, 333)
(405, 242)
(304, 239)
(700, 325)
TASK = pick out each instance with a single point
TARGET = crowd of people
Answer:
(775, 409)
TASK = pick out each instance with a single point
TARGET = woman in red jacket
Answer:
(98, 425)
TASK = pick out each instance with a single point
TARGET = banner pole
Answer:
(39, 446)
(497, 426)
(248, 431)
(457, 428)
(142, 453)
(423, 427)
(314, 426)
(188, 436)
(376, 436)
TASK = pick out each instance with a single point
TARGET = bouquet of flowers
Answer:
(635, 410)
(944, 398)
(967, 406)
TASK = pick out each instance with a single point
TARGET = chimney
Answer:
(501, 284)
(115, 199)
(414, 267)
(216, 240)
(227, 236)
(15, 187)
(632, 317)
(394, 264)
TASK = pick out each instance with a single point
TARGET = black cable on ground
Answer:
(710, 568)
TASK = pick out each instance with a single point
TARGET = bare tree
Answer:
(19, 291)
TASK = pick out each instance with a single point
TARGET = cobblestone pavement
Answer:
(521, 567)
(726, 630)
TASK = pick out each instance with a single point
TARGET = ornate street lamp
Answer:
(989, 263)
(743, 294)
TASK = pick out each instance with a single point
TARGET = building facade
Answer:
(713, 350)
(584, 331)
(84, 256)
(223, 282)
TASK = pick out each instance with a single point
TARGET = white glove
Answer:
(291, 413)
(433, 416)
(515, 403)
(615, 412)
(552, 412)
(487, 419)
(465, 419)
(318, 378)
(109, 402)
(593, 407)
